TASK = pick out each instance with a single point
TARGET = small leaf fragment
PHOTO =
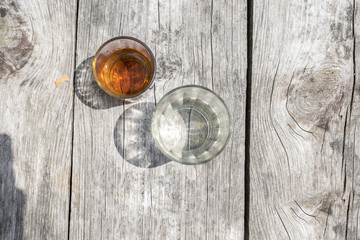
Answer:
(59, 81)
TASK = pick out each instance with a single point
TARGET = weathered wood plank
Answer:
(226, 174)
(36, 47)
(301, 109)
(123, 188)
(351, 166)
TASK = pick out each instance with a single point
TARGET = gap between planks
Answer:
(73, 115)
(248, 117)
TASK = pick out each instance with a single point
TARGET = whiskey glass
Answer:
(124, 67)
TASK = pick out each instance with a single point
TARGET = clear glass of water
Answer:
(191, 125)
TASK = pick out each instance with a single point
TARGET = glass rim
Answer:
(165, 152)
(119, 38)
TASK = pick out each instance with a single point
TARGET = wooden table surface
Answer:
(78, 164)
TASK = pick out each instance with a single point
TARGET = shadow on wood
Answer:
(133, 139)
(88, 91)
(12, 200)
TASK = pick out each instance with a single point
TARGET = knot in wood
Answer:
(314, 94)
(16, 44)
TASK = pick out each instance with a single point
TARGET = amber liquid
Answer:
(127, 72)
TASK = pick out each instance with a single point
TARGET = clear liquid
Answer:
(191, 125)
(187, 128)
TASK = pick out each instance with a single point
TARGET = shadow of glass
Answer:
(133, 139)
(12, 200)
(88, 91)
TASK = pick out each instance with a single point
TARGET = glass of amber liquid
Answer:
(124, 67)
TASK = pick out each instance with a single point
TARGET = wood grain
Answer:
(122, 187)
(36, 47)
(351, 141)
(305, 106)
(302, 110)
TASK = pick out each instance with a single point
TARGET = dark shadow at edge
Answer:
(88, 91)
(12, 200)
(139, 140)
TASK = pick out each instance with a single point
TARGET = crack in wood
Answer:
(298, 215)
(347, 214)
(326, 222)
(310, 215)
(272, 119)
(282, 222)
